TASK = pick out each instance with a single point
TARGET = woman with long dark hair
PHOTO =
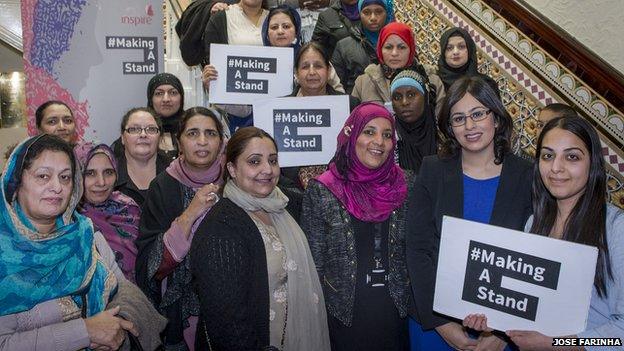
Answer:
(569, 200)
(474, 177)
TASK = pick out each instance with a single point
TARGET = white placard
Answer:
(305, 128)
(249, 73)
(519, 281)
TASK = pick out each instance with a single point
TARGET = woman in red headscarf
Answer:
(396, 50)
(354, 218)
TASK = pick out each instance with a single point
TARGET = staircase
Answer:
(530, 75)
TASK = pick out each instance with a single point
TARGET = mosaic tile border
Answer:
(519, 91)
(612, 156)
(549, 69)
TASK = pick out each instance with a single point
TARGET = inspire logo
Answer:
(144, 19)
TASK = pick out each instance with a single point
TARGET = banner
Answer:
(249, 73)
(518, 280)
(305, 128)
(97, 56)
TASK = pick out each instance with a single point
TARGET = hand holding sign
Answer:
(527, 288)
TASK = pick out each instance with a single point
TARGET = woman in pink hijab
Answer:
(354, 218)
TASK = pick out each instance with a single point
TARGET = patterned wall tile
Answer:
(521, 80)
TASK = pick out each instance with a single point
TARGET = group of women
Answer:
(233, 263)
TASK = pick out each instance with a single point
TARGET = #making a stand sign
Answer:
(518, 280)
(305, 128)
(249, 73)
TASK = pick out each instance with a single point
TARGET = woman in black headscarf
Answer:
(165, 95)
(415, 117)
(458, 58)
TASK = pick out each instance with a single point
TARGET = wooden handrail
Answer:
(586, 65)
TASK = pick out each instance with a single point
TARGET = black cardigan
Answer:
(438, 192)
(229, 268)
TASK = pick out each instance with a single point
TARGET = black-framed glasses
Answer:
(458, 120)
(149, 130)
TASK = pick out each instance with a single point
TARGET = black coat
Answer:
(229, 268)
(438, 192)
(215, 33)
(332, 26)
(331, 237)
(351, 57)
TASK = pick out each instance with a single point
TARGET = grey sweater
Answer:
(606, 314)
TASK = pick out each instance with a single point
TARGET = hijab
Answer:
(449, 74)
(418, 139)
(65, 263)
(350, 11)
(170, 124)
(370, 195)
(117, 218)
(306, 329)
(404, 32)
(296, 45)
(373, 36)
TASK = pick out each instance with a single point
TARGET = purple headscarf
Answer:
(368, 194)
(117, 218)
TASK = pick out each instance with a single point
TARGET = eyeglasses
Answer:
(150, 130)
(459, 120)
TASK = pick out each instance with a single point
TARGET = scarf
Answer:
(373, 36)
(350, 11)
(36, 267)
(404, 32)
(306, 329)
(195, 179)
(370, 195)
(117, 218)
(418, 139)
(296, 45)
(170, 124)
(449, 74)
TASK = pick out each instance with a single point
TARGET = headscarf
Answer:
(307, 316)
(373, 36)
(370, 195)
(117, 218)
(405, 33)
(350, 11)
(297, 18)
(449, 74)
(170, 124)
(36, 267)
(418, 139)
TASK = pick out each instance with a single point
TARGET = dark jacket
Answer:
(438, 192)
(332, 26)
(328, 227)
(127, 186)
(229, 268)
(351, 56)
(215, 33)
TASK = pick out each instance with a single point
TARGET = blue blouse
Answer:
(479, 195)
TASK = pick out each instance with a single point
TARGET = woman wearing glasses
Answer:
(140, 162)
(474, 177)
